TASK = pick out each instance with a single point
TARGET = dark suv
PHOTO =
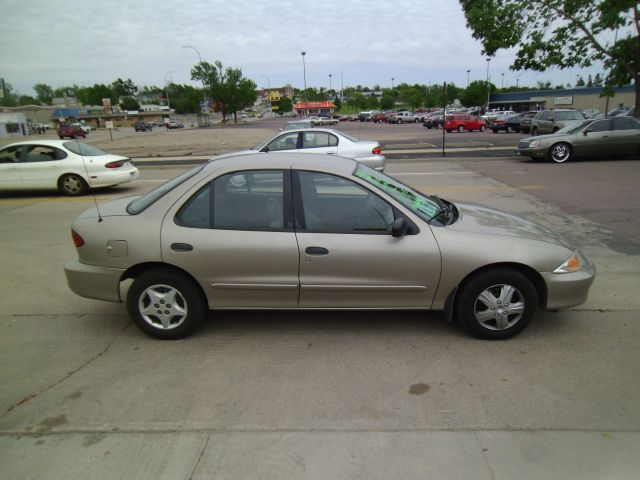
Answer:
(141, 126)
(66, 130)
(550, 121)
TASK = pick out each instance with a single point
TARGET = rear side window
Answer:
(83, 149)
(318, 140)
(40, 153)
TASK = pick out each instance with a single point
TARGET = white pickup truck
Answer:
(403, 117)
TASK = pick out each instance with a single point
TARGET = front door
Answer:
(9, 162)
(235, 236)
(594, 140)
(349, 258)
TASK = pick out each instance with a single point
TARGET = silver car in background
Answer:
(293, 231)
(321, 140)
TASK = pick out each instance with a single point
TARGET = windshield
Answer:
(141, 203)
(83, 149)
(426, 207)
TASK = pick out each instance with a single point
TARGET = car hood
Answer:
(489, 221)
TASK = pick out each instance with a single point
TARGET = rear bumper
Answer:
(376, 162)
(116, 177)
(90, 281)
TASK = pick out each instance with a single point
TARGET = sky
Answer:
(357, 42)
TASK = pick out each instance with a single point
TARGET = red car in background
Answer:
(380, 117)
(71, 131)
(464, 122)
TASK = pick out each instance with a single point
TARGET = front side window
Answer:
(249, 200)
(318, 140)
(545, 116)
(600, 126)
(288, 141)
(333, 204)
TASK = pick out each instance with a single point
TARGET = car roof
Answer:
(279, 160)
(50, 143)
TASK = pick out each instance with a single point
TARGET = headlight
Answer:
(534, 143)
(572, 264)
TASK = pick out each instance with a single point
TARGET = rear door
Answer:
(626, 136)
(9, 172)
(235, 235)
(319, 142)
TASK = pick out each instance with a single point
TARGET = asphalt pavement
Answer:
(316, 395)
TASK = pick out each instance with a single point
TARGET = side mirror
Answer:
(400, 227)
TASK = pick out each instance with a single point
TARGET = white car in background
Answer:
(69, 166)
(321, 140)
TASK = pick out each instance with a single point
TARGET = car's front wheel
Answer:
(165, 304)
(534, 132)
(560, 152)
(496, 304)
(72, 185)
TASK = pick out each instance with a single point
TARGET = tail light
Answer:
(117, 164)
(377, 150)
(78, 241)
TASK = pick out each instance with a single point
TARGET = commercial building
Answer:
(13, 124)
(581, 98)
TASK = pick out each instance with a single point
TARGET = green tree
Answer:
(228, 89)
(129, 103)
(7, 97)
(27, 100)
(44, 93)
(94, 95)
(562, 33)
(476, 93)
(387, 102)
(580, 81)
(124, 88)
(372, 103)
(285, 105)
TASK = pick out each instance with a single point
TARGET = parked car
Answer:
(525, 122)
(349, 237)
(68, 166)
(508, 124)
(66, 130)
(435, 120)
(594, 137)
(321, 140)
(366, 116)
(325, 121)
(84, 126)
(173, 124)
(379, 117)
(141, 126)
(550, 121)
(297, 125)
(464, 122)
(402, 117)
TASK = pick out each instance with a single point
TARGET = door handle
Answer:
(331, 153)
(181, 247)
(316, 251)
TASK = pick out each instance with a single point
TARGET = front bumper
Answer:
(90, 281)
(531, 152)
(566, 290)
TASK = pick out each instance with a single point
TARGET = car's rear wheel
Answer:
(165, 304)
(72, 185)
(496, 304)
(461, 128)
(534, 131)
(483, 128)
(560, 152)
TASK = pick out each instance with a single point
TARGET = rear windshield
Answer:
(141, 203)
(83, 149)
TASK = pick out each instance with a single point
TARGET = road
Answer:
(342, 395)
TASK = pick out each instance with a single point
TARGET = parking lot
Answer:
(287, 394)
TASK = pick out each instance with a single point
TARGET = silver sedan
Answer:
(293, 231)
(321, 140)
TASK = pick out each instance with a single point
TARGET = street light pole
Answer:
(468, 78)
(488, 86)
(166, 88)
(392, 79)
(502, 81)
(204, 88)
(330, 75)
(304, 71)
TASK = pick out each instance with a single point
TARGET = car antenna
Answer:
(86, 170)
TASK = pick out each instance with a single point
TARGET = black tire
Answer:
(494, 130)
(534, 132)
(485, 292)
(165, 320)
(509, 129)
(72, 185)
(460, 128)
(560, 152)
(61, 137)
